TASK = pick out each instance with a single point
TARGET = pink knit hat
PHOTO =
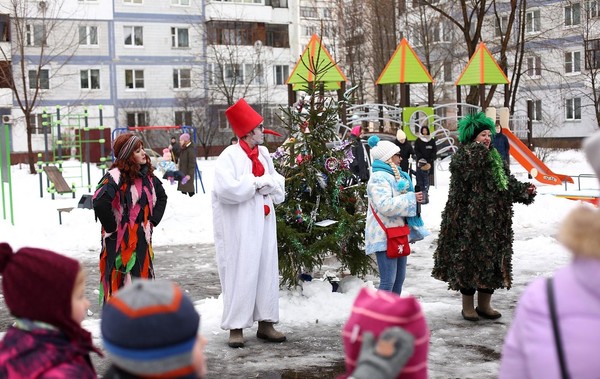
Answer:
(356, 131)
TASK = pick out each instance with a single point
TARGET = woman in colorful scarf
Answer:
(391, 195)
(129, 202)
(474, 251)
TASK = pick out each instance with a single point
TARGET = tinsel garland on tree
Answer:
(316, 172)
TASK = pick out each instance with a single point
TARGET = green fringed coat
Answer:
(475, 241)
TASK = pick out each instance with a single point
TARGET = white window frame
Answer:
(136, 76)
(593, 8)
(175, 34)
(533, 21)
(88, 75)
(132, 34)
(181, 3)
(182, 78)
(500, 25)
(573, 108)
(33, 36)
(573, 62)
(280, 74)
(90, 38)
(253, 74)
(136, 116)
(572, 14)
(233, 72)
(42, 80)
(133, 2)
(534, 66)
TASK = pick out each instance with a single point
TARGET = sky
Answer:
(189, 221)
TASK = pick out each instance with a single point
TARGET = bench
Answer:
(60, 211)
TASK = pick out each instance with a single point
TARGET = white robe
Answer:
(246, 239)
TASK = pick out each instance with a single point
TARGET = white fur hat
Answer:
(382, 150)
(591, 148)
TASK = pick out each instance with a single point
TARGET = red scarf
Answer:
(257, 167)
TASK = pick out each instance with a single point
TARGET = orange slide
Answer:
(534, 166)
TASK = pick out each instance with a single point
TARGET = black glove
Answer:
(384, 358)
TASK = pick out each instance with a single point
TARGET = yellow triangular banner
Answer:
(482, 69)
(404, 67)
(315, 66)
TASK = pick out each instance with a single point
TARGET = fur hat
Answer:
(400, 136)
(149, 328)
(38, 285)
(242, 118)
(591, 148)
(471, 125)
(185, 137)
(382, 150)
(356, 131)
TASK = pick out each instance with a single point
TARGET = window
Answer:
(182, 78)
(533, 22)
(309, 30)
(183, 118)
(537, 110)
(277, 35)
(573, 14)
(572, 62)
(35, 35)
(242, 1)
(233, 74)
(592, 54)
(593, 8)
(327, 13)
(4, 28)
(39, 123)
(573, 109)
(132, 1)
(90, 79)
(134, 35)
(253, 74)
(179, 37)
(134, 79)
(41, 82)
(534, 66)
(447, 68)
(281, 73)
(88, 35)
(180, 2)
(501, 25)
(309, 12)
(136, 119)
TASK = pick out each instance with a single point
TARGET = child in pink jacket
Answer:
(530, 350)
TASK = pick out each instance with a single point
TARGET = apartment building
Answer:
(140, 61)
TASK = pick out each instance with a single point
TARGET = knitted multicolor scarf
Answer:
(412, 221)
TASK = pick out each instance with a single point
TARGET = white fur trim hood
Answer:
(580, 232)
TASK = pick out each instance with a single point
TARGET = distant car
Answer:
(154, 156)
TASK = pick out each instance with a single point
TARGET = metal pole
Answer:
(86, 133)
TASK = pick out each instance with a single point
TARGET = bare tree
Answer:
(42, 42)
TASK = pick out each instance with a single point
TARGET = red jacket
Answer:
(43, 353)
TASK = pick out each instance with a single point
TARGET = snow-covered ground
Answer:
(189, 221)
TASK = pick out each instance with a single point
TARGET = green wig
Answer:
(473, 124)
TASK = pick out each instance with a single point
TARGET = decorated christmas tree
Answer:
(323, 215)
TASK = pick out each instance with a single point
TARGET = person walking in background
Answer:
(392, 197)
(531, 348)
(45, 292)
(246, 188)
(233, 140)
(425, 152)
(501, 144)
(187, 165)
(406, 150)
(474, 251)
(150, 329)
(175, 148)
(358, 166)
(129, 202)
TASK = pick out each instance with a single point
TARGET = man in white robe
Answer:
(245, 189)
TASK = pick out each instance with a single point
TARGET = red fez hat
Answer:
(243, 119)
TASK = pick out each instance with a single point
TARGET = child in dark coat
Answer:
(45, 292)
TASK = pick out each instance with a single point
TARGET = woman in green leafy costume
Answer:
(474, 251)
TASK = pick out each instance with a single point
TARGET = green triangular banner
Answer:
(482, 69)
(404, 67)
(316, 59)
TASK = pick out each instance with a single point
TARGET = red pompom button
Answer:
(267, 210)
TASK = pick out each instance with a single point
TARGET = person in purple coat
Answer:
(530, 350)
